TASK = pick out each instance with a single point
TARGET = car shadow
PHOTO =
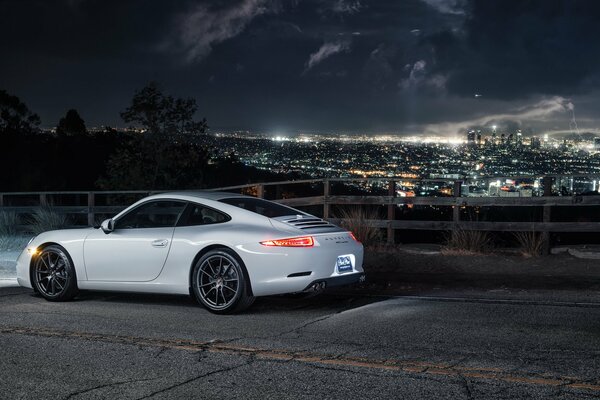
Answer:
(269, 304)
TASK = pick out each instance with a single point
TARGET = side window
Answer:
(154, 214)
(197, 214)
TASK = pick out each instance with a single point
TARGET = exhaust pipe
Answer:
(318, 286)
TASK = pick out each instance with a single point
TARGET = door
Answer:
(136, 250)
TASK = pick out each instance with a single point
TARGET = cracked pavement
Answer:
(338, 345)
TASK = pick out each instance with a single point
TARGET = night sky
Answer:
(284, 66)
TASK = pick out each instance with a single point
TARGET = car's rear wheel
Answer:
(53, 274)
(220, 284)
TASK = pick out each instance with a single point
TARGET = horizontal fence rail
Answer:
(86, 206)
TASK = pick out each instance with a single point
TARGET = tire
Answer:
(220, 282)
(53, 274)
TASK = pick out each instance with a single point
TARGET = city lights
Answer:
(491, 152)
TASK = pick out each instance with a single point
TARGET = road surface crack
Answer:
(159, 352)
(466, 385)
(198, 377)
(106, 385)
(299, 328)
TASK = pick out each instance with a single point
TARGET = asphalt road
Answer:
(347, 346)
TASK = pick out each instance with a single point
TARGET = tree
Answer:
(134, 166)
(15, 116)
(168, 153)
(162, 115)
(71, 124)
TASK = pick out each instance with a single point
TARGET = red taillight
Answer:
(304, 241)
(353, 237)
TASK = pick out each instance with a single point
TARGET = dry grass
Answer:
(357, 220)
(46, 219)
(13, 242)
(9, 223)
(465, 242)
(531, 243)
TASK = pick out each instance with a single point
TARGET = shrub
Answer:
(46, 219)
(357, 220)
(461, 241)
(532, 243)
(9, 222)
(13, 242)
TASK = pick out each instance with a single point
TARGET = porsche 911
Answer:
(224, 249)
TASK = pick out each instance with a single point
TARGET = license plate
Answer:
(344, 264)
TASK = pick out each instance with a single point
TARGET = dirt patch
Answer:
(388, 270)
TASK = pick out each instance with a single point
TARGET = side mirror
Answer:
(108, 225)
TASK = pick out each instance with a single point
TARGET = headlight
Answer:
(31, 249)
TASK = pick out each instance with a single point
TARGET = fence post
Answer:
(326, 188)
(456, 190)
(391, 211)
(546, 217)
(90, 203)
(456, 208)
(547, 183)
(260, 191)
(1, 200)
(43, 200)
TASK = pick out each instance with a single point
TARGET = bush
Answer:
(357, 220)
(9, 223)
(461, 241)
(13, 242)
(46, 219)
(532, 243)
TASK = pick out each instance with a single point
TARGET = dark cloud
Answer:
(518, 48)
(308, 64)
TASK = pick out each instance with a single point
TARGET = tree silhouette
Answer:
(163, 115)
(15, 116)
(71, 124)
(167, 153)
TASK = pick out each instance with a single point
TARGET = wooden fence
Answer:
(88, 205)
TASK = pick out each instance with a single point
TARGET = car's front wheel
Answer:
(220, 284)
(53, 274)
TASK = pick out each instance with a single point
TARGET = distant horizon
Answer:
(374, 134)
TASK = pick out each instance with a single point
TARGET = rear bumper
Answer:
(281, 270)
(342, 280)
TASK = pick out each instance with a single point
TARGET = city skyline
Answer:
(411, 67)
(474, 156)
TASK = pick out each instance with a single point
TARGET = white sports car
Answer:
(225, 249)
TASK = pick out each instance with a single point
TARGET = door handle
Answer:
(160, 243)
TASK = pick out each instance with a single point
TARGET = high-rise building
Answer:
(597, 143)
(471, 137)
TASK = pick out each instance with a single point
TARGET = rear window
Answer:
(260, 206)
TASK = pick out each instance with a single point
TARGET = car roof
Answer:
(201, 194)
